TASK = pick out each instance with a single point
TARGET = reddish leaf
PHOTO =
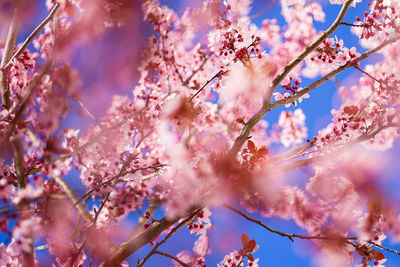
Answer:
(240, 120)
(351, 110)
(377, 255)
(262, 151)
(242, 252)
(251, 245)
(374, 206)
(251, 146)
(245, 240)
(69, 9)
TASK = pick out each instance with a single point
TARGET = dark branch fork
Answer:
(278, 79)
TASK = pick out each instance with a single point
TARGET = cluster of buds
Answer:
(369, 24)
(327, 51)
(292, 88)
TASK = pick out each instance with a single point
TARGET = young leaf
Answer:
(245, 240)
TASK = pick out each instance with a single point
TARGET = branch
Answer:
(154, 204)
(352, 25)
(7, 54)
(16, 145)
(208, 81)
(172, 257)
(278, 79)
(133, 244)
(309, 49)
(290, 236)
(361, 138)
(89, 113)
(330, 75)
(34, 33)
(174, 230)
(70, 193)
(197, 70)
(384, 248)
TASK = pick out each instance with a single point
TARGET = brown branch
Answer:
(330, 75)
(77, 254)
(384, 248)
(173, 231)
(308, 50)
(294, 151)
(172, 257)
(89, 113)
(154, 204)
(278, 79)
(290, 236)
(34, 33)
(352, 25)
(133, 244)
(7, 55)
(366, 73)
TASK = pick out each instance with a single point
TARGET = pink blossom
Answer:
(293, 127)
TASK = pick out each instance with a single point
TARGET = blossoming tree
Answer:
(194, 133)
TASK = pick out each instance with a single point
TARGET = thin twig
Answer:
(172, 257)
(271, 3)
(89, 113)
(197, 70)
(77, 253)
(103, 203)
(121, 173)
(208, 81)
(384, 248)
(366, 73)
(290, 236)
(353, 25)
